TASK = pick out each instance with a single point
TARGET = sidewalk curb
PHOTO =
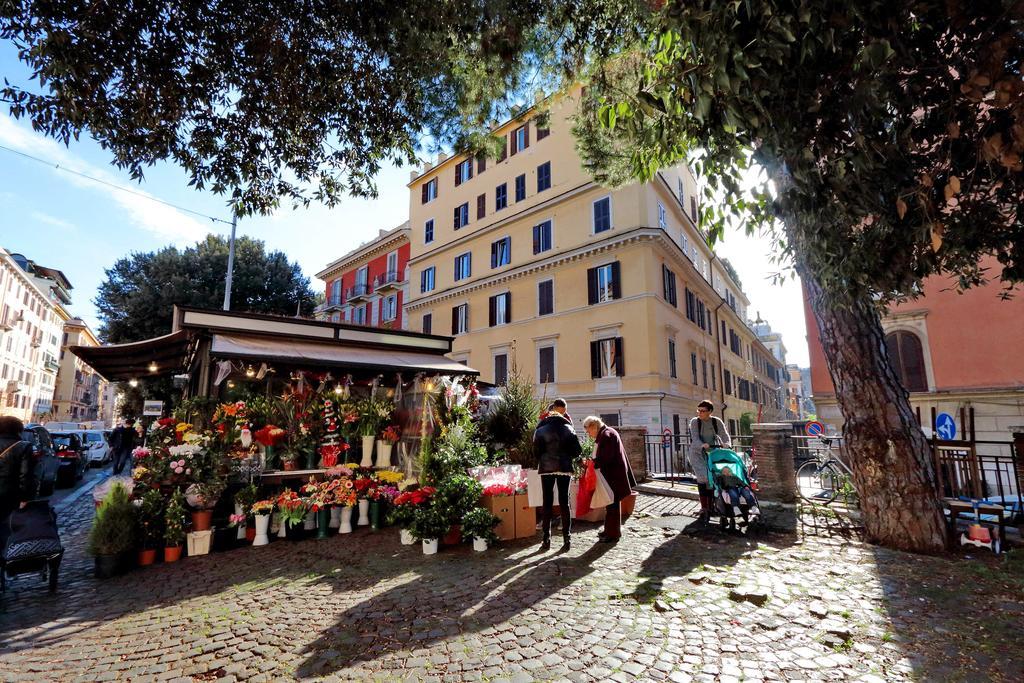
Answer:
(65, 504)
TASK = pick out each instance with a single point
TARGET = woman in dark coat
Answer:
(556, 448)
(18, 483)
(610, 459)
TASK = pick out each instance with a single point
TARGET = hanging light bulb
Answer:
(152, 366)
(231, 385)
(338, 389)
(250, 371)
(430, 386)
(133, 382)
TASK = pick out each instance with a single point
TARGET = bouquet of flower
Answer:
(372, 414)
(322, 495)
(344, 494)
(270, 436)
(263, 507)
(309, 488)
(329, 453)
(293, 508)
(390, 435)
(180, 430)
(362, 486)
(382, 492)
(390, 477)
(405, 505)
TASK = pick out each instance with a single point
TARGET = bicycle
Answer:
(825, 478)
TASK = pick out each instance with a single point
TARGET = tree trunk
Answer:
(891, 460)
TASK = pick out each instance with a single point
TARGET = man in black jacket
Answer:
(556, 448)
(18, 484)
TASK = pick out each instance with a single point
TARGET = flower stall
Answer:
(294, 429)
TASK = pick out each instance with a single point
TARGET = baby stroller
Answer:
(719, 459)
(29, 543)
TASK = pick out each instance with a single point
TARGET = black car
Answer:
(45, 457)
(70, 457)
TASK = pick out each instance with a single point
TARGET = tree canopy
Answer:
(137, 299)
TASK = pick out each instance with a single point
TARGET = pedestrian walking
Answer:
(556, 447)
(610, 460)
(122, 441)
(18, 482)
(706, 433)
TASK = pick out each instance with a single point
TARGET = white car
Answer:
(97, 450)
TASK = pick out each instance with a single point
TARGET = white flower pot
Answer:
(479, 544)
(384, 455)
(367, 460)
(309, 524)
(430, 546)
(346, 520)
(241, 527)
(335, 518)
(407, 537)
(262, 526)
(282, 527)
(364, 512)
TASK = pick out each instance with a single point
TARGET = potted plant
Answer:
(112, 535)
(244, 499)
(262, 509)
(380, 494)
(388, 438)
(293, 513)
(479, 523)
(362, 484)
(174, 527)
(372, 413)
(150, 516)
(403, 510)
(456, 496)
(204, 496)
(429, 524)
(344, 498)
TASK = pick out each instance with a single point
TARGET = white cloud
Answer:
(52, 220)
(161, 220)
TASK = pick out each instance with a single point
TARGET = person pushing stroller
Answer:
(707, 432)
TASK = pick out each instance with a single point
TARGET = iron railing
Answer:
(358, 289)
(666, 455)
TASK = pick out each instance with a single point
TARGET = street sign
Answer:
(814, 428)
(945, 426)
(666, 438)
(152, 408)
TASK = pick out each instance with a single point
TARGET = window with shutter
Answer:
(546, 363)
(481, 206)
(608, 359)
(704, 371)
(605, 288)
(500, 197)
(428, 231)
(662, 217)
(461, 215)
(595, 359)
(693, 208)
(620, 358)
(907, 358)
(671, 358)
(428, 192)
(501, 252)
(545, 297)
(500, 369)
(463, 266)
(544, 176)
(542, 237)
(693, 367)
(520, 187)
(592, 286)
(603, 214)
(481, 162)
(428, 320)
(616, 280)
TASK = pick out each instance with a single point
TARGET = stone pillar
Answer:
(773, 452)
(636, 449)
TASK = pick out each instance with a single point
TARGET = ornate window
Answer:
(907, 359)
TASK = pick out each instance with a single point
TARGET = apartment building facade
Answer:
(32, 314)
(950, 352)
(609, 298)
(369, 285)
(79, 391)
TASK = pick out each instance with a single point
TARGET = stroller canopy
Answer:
(723, 457)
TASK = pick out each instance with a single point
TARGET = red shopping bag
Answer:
(588, 484)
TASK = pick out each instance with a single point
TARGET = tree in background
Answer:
(136, 301)
(892, 131)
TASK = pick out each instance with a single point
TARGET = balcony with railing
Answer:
(392, 279)
(332, 303)
(358, 291)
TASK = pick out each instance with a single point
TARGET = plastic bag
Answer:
(588, 482)
(603, 495)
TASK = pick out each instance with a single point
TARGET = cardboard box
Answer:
(503, 508)
(525, 516)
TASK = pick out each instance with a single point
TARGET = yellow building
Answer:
(79, 390)
(611, 299)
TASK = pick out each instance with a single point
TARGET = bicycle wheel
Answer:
(818, 483)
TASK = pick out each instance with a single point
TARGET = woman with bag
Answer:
(556, 448)
(707, 432)
(611, 464)
(18, 483)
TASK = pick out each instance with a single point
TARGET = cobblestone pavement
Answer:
(660, 605)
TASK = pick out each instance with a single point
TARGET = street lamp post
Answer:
(231, 264)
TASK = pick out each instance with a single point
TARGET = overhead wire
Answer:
(115, 185)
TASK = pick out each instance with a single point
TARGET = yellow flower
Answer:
(390, 477)
(352, 465)
(183, 427)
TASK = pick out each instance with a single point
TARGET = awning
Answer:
(120, 362)
(333, 353)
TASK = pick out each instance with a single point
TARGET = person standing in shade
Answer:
(123, 440)
(18, 483)
(556, 447)
(707, 432)
(610, 460)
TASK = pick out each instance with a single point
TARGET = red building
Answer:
(951, 351)
(368, 285)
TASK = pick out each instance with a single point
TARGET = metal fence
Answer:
(666, 455)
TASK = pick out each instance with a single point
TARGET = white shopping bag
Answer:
(602, 494)
(534, 494)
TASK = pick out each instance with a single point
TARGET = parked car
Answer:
(70, 457)
(97, 449)
(45, 457)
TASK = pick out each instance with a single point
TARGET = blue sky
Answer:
(81, 227)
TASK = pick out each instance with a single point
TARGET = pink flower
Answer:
(178, 470)
(188, 470)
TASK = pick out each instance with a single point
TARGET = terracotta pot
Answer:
(454, 536)
(172, 554)
(147, 557)
(250, 533)
(290, 466)
(202, 520)
(628, 505)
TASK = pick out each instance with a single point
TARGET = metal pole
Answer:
(231, 264)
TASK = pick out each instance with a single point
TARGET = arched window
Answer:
(907, 359)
